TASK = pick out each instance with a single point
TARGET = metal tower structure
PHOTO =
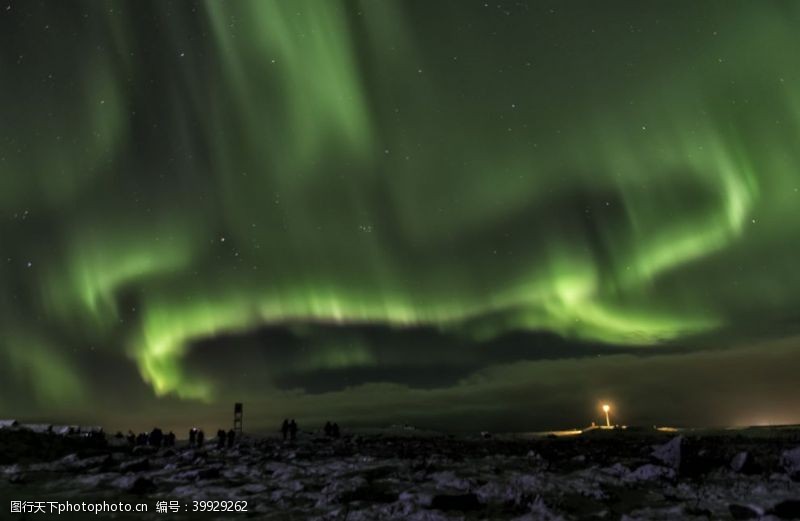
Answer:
(237, 418)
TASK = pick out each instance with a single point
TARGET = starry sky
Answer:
(461, 215)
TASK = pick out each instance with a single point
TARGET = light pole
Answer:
(606, 408)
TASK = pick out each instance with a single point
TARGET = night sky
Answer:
(460, 215)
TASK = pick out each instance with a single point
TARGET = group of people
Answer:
(223, 438)
(332, 430)
(289, 429)
(196, 437)
(155, 438)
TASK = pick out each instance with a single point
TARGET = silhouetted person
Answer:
(131, 437)
(193, 437)
(169, 439)
(156, 437)
(328, 429)
(231, 438)
(201, 436)
(141, 439)
(335, 430)
(285, 428)
(292, 430)
(220, 439)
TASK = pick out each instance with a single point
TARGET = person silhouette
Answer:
(292, 430)
(200, 437)
(231, 438)
(131, 437)
(328, 431)
(285, 428)
(220, 439)
(169, 439)
(335, 430)
(156, 437)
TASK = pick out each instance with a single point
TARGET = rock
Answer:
(74, 463)
(142, 485)
(371, 493)
(17, 479)
(69, 461)
(744, 463)
(699, 512)
(744, 511)
(94, 481)
(253, 488)
(448, 480)
(134, 484)
(788, 509)
(618, 470)
(650, 472)
(670, 453)
(144, 449)
(462, 502)
(209, 473)
(790, 461)
(137, 465)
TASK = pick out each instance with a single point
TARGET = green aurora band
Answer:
(171, 173)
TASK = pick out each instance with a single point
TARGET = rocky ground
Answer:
(600, 475)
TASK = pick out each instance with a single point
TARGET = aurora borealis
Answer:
(451, 213)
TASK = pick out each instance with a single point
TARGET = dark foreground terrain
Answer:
(617, 475)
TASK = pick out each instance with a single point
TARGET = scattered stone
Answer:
(372, 493)
(670, 453)
(790, 461)
(461, 502)
(142, 485)
(137, 465)
(605, 476)
(144, 449)
(650, 472)
(744, 511)
(17, 479)
(788, 509)
(744, 463)
(209, 473)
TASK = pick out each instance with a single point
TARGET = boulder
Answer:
(744, 463)
(137, 465)
(134, 484)
(670, 453)
(790, 461)
(787, 509)
(208, 473)
(460, 502)
(17, 479)
(744, 511)
(144, 449)
(650, 472)
(372, 493)
(142, 485)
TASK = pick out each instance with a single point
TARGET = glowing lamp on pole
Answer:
(607, 408)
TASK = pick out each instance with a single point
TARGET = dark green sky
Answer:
(458, 214)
